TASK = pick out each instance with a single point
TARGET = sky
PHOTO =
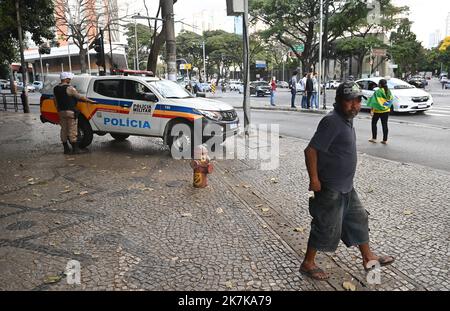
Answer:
(427, 15)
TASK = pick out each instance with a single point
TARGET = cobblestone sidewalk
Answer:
(128, 213)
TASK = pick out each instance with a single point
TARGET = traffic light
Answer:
(100, 49)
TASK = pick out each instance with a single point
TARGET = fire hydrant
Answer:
(202, 166)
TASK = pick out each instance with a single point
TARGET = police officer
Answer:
(66, 97)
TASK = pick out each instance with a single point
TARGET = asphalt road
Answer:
(414, 138)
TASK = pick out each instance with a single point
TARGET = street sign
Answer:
(393, 66)
(235, 7)
(260, 64)
(379, 52)
(299, 48)
(185, 66)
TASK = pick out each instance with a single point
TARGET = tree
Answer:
(294, 22)
(189, 47)
(143, 41)
(406, 51)
(37, 20)
(80, 20)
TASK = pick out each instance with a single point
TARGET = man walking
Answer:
(303, 86)
(273, 89)
(293, 87)
(66, 97)
(336, 209)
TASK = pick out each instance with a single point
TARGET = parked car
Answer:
(259, 88)
(332, 84)
(203, 87)
(141, 106)
(282, 84)
(447, 85)
(30, 87)
(3, 83)
(407, 98)
(38, 85)
(418, 81)
(234, 85)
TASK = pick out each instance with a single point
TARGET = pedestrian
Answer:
(315, 98)
(66, 97)
(381, 103)
(302, 88)
(293, 87)
(337, 213)
(309, 89)
(195, 88)
(273, 88)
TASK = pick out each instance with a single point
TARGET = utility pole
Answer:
(136, 58)
(110, 49)
(246, 102)
(204, 62)
(171, 47)
(319, 78)
(24, 96)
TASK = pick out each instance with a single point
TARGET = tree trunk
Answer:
(83, 54)
(152, 60)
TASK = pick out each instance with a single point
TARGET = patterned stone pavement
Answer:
(128, 213)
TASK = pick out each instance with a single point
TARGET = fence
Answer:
(11, 100)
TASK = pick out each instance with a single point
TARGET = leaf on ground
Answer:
(57, 222)
(147, 189)
(407, 212)
(77, 253)
(52, 279)
(274, 180)
(37, 195)
(144, 167)
(258, 205)
(229, 284)
(174, 258)
(186, 215)
(264, 226)
(265, 209)
(349, 286)
(299, 229)
(67, 187)
(370, 191)
(84, 192)
(71, 159)
(30, 179)
(219, 211)
(66, 191)
(246, 186)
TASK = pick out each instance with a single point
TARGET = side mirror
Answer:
(150, 97)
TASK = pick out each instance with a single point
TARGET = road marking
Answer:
(437, 114)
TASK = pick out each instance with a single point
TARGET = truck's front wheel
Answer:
(85, 134)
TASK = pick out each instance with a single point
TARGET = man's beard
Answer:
(351, 114)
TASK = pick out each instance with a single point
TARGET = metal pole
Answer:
(110, 48)
(68, 52)
(319, 78)
(246, 103)
(89, 59)
(204, 62)
(26, 107)
(136, 64)
(42, 68)
(171, 46)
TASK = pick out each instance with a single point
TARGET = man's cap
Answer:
(66, 75)
(349, 90)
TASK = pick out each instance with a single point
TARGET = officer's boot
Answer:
(66, 148)
(76, 149)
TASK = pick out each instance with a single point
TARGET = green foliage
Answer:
(36, 18)
(144, 34)
(406, 51)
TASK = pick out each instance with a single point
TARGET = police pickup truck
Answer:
(143, 106)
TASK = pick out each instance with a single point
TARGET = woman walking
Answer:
(381, 103)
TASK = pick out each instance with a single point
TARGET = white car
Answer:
(333, 84)
(142, 106)
(407, 98)
(38, 85)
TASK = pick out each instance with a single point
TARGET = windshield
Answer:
(169, 89)
(398, 84)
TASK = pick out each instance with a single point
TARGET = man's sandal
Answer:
(313, 274)
(382, 261)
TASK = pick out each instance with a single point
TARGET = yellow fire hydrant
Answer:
(202, 166)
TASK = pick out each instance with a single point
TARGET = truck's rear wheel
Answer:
(85, 134)
(119, 137)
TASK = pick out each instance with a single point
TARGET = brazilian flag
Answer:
(380, 101)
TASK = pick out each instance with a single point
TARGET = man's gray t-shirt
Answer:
(335, 141)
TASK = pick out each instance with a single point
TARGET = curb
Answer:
(288, 109)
